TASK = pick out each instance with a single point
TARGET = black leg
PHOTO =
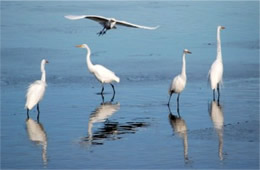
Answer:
(101, 32)
(112, 99)
(218, 92)
(102, 90)
(28, 114)
(38, 109)
(213, 94)
(169, 99)
(178, 99)
(113, 88)
(102, 98)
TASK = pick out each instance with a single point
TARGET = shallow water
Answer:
(136, 129)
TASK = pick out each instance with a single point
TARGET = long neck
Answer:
(183, 72)
(219, 53)
(89, 63)
(43, 72)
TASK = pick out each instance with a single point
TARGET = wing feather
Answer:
(128, 24)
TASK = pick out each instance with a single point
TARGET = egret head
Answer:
(81, 46)
(186, 51)
(44, 61)
(221, 27)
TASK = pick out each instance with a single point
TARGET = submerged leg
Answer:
(218, 92)
(170, 98)
(38, 109)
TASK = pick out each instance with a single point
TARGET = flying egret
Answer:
(107, 23)
(102, 74)
(216, 71)
(36, 91)
(179, 82)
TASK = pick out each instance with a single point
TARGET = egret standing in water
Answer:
(102, 74)
(107, 23)
(216, 70)
(179, 82)
(36, 91)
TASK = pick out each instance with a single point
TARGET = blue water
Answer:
(137, 132)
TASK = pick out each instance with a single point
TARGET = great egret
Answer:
(102, 74)
(216, 70)
(216, 114)
(179, 82)
(36, 91)
(107, 23)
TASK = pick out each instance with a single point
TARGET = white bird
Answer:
(102, 74)
(216, 71)
(179, 82)
(36, 91)
(107, 23)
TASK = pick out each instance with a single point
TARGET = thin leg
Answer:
(169, 99)
(102, 90)
(102, 98)
(213, 94)
(169, 109)
(28, 114)
(178, 99)
(101, 32)
(112, 99)
(218, 92)
(113, 88)
(38, 109)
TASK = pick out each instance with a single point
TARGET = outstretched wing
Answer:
(128, 24)
(96, 18)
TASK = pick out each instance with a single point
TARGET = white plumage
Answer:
(216, 70)
(107, 23)
(102, 74)
(179, 82)
(36, 90)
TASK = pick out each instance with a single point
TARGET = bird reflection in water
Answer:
(179, 127)
(110, 130)
(37, 135)
(216, 114)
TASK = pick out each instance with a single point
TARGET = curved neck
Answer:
(183, 72)
(89, 63)
(43, 72)
(219, 53)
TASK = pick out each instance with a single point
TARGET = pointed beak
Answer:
(223, 27)
(78, 46)
(189, 52)
(47, 61)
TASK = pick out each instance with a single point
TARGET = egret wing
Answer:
(99, 19)
(35, 93)
(128, 24)
(105, 75)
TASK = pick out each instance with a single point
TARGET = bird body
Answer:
(35, 93)
(216, 70)
(179, 82)
(36, 90)
(107, 23)
(102, 74)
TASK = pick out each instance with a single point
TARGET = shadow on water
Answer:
(110, 130)
(179, 127)
(37, 135)
(216, 115)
